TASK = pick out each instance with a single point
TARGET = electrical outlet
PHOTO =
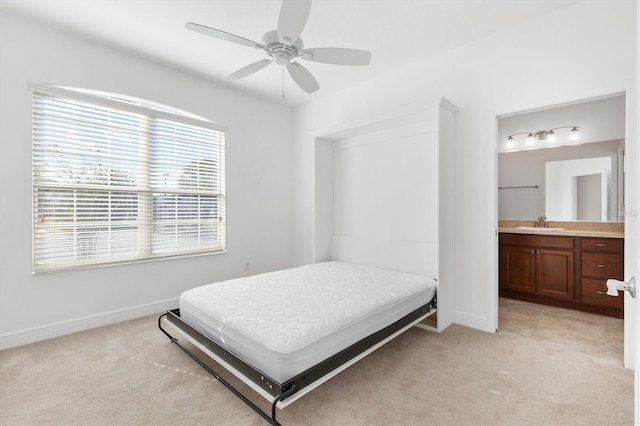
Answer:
(247, 265)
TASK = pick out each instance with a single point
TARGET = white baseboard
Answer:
(473, 321)
(36, 334)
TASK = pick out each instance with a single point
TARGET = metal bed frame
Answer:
(282, 394)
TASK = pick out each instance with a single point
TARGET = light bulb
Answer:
(510, 142)
(574, 134)
(530, 139)
(551, 136)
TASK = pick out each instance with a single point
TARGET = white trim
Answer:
(448, 105)
(36, 334)
(563, 104)
(447, 188)
(491, 220)
(474, 321)
(155, 258)
(631, 225)
(384, 121)
(53, 90)
(633, 231)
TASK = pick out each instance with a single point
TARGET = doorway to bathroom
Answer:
(560, 201)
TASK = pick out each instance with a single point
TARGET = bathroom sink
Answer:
(535, 228)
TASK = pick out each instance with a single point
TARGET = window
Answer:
(118, 181)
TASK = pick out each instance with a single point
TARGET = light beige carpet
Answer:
(544, 366)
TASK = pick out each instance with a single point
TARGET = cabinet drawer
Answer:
(537, 241)
(601, 265)
(603, 244)
(592, 293)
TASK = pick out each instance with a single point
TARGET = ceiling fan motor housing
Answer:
(282, 53)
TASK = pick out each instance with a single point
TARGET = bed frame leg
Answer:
(236, 392)
(173, 339)
(280, 397)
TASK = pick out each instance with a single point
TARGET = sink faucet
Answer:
(541, 222)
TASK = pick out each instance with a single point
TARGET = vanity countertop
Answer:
(576, 229)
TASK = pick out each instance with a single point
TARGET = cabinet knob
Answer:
(600, 265)
(601, 245)
(602, 292)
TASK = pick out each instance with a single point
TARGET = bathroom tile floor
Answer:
(587, 333)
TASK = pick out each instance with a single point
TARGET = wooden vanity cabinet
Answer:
(565, 271)
(538, 264)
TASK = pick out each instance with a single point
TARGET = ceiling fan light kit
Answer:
(284, 46)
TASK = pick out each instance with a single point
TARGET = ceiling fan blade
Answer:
(337, 56)
(303, 77)
(223, 35)
(250, 69)
(292, 19)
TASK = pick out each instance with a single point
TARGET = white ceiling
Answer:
(397, 32)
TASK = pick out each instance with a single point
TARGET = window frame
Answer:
(150, 111)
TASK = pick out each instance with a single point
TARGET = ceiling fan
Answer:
(284, 45)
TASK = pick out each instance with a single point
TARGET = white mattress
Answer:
(284, 322)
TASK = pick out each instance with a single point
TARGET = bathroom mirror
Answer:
(564, 180)
(581, 189)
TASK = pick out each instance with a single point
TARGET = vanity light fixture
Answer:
(545, 135)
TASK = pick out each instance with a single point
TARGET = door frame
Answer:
(631, 234)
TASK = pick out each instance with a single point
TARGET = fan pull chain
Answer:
(282, 82)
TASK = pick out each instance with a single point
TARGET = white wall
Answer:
(588, 50)
(258, 186)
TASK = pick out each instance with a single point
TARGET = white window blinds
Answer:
(113, 184)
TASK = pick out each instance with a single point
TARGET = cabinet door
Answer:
(555, 276)
(518, 269)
